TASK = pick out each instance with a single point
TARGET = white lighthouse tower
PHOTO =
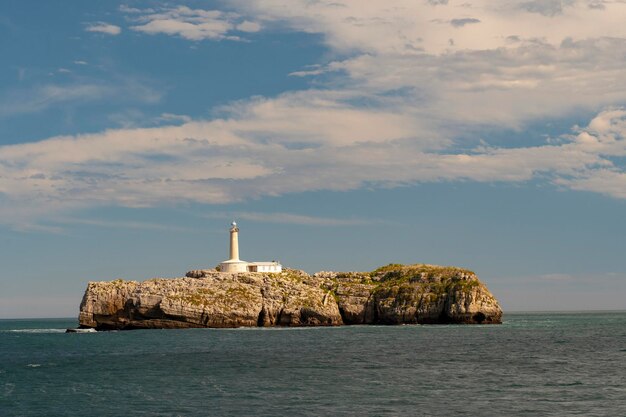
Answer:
(234, 264)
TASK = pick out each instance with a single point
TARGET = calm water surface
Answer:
(533, 364)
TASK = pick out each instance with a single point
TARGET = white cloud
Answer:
(609, 182)
(311, 70)
(192, 24)
(102, 27)
(516, 64)
(247, 26)
(401, 26)
(40, 97)
(401, 99)
(119, 224)
(519, 60)
(126, 9)
(273, 147)
(170, 117)
(288, 218)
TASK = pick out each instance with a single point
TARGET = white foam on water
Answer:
(34, 365)
(35, 331)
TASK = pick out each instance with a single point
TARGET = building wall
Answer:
(265, 268)
(234, 267)
(243, 266)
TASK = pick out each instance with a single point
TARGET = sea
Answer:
(534, 364)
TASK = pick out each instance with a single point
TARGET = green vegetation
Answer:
(200, 297)
(387, 268)
(292, 275)
(408, 284)
(241, 293)
(420, 272)
(239, 296)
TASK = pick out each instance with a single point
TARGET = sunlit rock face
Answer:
(413, 294)
(394, 294)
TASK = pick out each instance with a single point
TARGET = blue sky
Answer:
(340, 135)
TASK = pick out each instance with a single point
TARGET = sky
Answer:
(339, 134)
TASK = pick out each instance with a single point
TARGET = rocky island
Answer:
(393, 294)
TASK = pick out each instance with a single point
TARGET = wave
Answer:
(33, 331)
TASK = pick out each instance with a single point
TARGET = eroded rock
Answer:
(395, 294)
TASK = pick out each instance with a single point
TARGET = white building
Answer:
(265, 267)
(234, 264)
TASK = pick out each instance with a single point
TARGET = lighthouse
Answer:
(234, 242)
(234, 264)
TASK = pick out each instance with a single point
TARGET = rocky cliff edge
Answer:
(393, 294)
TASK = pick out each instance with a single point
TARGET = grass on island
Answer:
(408, 282)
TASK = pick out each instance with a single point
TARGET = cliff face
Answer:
(394, 294)
(411, 294)
(212, 299)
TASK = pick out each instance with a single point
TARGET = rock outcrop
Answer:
(413, 294)
(394, 294)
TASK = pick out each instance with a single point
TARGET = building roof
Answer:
(264, 263)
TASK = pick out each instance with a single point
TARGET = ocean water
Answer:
(532, 365)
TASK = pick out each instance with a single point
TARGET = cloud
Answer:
(247, 26)
(552, 68)
(314, 70)
(608, 181)
(126, 9)
(381, 28)
(397, 110)
(102, 27)
(192, 24)
(170, 117)
(270, 147)
(457, 23)
(118, 224)
(544, 7)
(41, 97)
(597, 5)
(288, 218)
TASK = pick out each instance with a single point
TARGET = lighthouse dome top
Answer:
(233, 224)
